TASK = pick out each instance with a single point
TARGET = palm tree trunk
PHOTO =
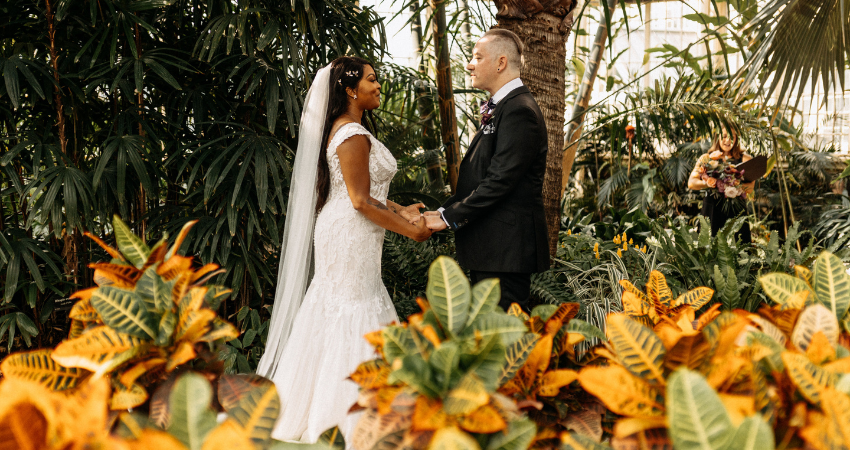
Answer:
(544, 33)
(448, 117)
(583, 98)
(434, 168)
(54, 59)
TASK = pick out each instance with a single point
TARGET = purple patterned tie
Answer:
(487, 111)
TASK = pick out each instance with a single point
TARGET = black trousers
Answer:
(515, 286)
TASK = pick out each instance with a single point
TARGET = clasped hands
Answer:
(433, 220)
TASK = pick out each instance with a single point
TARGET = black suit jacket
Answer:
(497, 211)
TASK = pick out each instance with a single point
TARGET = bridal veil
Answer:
(296, 251)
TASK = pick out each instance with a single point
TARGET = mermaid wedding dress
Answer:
(345, 300)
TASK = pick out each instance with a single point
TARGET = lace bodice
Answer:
(382, 164)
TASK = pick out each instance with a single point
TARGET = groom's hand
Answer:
(434, 221)
(411, 213)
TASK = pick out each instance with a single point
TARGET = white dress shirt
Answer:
(499, 95)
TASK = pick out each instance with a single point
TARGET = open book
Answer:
(754, 168)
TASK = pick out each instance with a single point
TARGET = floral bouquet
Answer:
(723, 177)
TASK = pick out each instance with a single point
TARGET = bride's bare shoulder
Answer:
(339, 123)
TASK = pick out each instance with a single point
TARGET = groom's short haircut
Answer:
(506, 42)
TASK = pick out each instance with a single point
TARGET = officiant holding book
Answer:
(718, 172)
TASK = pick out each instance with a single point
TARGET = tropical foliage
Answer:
(734, 379)
(462, 372)
(152, 313)
(166, 112)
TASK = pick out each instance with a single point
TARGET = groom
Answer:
(497, 210)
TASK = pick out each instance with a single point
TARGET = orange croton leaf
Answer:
(840, 366)
(708, 316)
(622, 392)
(228, 436)
(107, 274)
(658, 291)
(636, 306)
(684, 317)
(174, 267)
(375, 338)
(371, 374)
(562, 315)
(820, 349)
(668, 331)
(423, 304)
(83, 309)
(194, 325)
(510, 388)
(112, 252)
(428, 414)
(206, 269)
(183, 353)
(157, 255)
(727, 369)
(536, 325)
(130, 375)
(385, 397)
(431, 334)
(486, 419)
(554, 380)
(536, 364)
(629, 426)
(181, 288)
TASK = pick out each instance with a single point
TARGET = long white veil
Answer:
(296, 251)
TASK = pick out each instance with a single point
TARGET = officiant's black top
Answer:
(497, 211)
(718, 210)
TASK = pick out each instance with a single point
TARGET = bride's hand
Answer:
(411, 213)
(422, 231)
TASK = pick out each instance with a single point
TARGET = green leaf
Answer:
(752, 434)
(155, 291)
(469, 395)
(191, 416)
(780, 287)
(831, 284)
(576, 441)
(697, 418)
(397, 343)
(485, 298)
(131, 246)
(519, 435)
(809, 378)
(497, 323)
(517, 353)
(449, 294)
(166, 329)
(451, 438)
(637, 347)
(444, 362)
(416, 373)
(585, 329)
(257, 411)
(124, 311)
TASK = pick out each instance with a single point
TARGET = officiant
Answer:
(723, 200)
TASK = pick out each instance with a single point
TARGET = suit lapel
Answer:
(477, 137)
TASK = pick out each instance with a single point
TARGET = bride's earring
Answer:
(355, 96)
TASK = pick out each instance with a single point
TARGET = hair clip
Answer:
(353, 73)
(339, 81)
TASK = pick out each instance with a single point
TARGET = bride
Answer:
(316, 338)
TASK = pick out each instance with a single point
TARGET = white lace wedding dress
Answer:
(345, 300)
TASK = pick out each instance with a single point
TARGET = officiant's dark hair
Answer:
(736, 151)
(346, 72)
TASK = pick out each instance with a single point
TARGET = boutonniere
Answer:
(487, 109)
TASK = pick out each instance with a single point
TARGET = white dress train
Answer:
(345, 300)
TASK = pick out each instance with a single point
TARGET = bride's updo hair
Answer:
(346, 72)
